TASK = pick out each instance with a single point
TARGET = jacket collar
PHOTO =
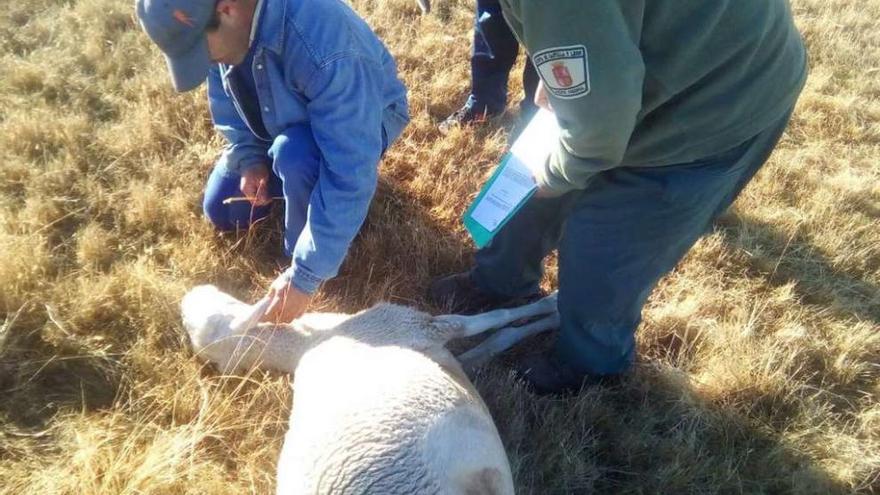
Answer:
(255, 22)
(272, 24)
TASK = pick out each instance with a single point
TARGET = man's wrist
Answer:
(303, 280)
(252, 166)
(550, 186)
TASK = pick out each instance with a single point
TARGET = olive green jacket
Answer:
(657, 82)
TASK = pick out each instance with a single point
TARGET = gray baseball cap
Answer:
(178, 27)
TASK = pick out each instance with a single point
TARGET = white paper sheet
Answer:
(509, 189)
(537, 140)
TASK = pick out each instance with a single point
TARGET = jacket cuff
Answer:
(551, 183)
(247, 164)
(238, 162)
(304, 280)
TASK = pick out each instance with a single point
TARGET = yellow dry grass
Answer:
(760, 352)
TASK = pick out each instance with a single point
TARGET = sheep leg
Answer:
(476, 324)
(504, 339)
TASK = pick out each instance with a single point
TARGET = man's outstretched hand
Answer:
(286, 302)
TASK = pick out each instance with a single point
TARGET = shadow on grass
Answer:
(43, 372)
(398, 251)
(651, 433)
(780, 259)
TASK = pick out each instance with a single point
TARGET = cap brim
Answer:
(190, 69)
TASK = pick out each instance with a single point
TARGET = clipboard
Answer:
(480, 230)
(512, 183)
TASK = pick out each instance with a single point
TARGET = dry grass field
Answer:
(760, 353)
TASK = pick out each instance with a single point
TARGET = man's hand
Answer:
(255, 184)
(543, 192)
(287, 303)
(543, 101)
(541, 98)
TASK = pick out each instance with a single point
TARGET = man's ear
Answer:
(225, 8)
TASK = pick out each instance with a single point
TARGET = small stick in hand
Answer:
(242, 198)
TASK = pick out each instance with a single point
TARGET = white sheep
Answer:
(380, 405)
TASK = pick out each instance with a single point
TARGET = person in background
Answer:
(308, 99)
(493, 55)
(667, 109)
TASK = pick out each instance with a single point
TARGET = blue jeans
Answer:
(295, 160)
(616, 238)
(494, 53)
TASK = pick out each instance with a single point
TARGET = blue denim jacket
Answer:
(317, 62)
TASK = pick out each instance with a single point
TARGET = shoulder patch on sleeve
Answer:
(565, 70)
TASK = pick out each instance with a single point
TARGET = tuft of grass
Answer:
(759, 365)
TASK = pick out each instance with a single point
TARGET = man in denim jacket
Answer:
(308, 98)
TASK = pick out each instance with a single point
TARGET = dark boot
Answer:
(547, 376)
(469, 114)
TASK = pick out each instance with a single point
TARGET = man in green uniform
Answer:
(667, 110)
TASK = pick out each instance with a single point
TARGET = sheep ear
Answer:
(250, 318)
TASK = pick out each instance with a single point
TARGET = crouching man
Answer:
(308, 98)
(667, 110)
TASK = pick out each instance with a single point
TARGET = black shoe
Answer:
(469, 114)
(547, 376)
(459, 294)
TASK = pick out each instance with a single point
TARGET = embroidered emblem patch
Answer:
(565, 70)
